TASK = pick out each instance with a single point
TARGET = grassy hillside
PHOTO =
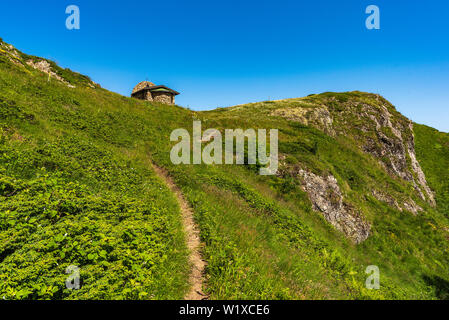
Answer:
(77, 188)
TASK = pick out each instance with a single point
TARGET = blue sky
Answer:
(222, 53)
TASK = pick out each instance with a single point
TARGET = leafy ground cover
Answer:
(77, 188)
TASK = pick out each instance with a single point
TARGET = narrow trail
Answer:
(192, 238)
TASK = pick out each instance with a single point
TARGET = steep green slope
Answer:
(74, 192)
(410, 249)
(432, 148)
(76, 188)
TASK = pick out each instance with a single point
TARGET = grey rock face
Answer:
(379, 130)
(412, 207)
(326, 197)
(409, 205)
(387, 199)
(392, 142)
(45, 67)
(386, 136)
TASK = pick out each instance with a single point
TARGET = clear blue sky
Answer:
(221, 53)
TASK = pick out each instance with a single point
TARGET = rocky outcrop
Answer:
(374, 124)
(24, 62)
(326, 198)
(45, 67)
(11, 53)
(408, 205)
(379, 130)
(412, 207)
(387, 199)
(392, 142)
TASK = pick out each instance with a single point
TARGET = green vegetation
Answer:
(72, 194)
(77, 188)
(432, 148)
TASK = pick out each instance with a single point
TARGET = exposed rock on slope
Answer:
(48, 67)
(408, 205)
(376, 128)
(10, 52)
(412, 207)
(45, 67)
(326, 197)
(391, 140)
(373, 123)
(387, 199)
